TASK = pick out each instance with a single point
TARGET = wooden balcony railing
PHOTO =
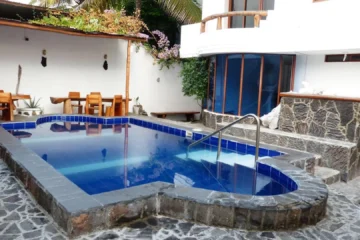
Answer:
(256, 14)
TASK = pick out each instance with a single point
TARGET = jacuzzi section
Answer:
(78, 213)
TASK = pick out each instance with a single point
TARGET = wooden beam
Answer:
(242, 67)
(235, 13)
(256, 21)
(260, 84)
(225, 82)
(293, 73)
(128, 62)
(231, 8)
(280, 78)
(67, 31)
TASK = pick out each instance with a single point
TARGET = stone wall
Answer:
(321, 118)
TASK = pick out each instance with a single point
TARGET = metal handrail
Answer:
(257, 140)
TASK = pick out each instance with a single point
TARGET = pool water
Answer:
(102, 158)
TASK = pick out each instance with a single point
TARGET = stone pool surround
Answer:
(343, 156)
(78, 213)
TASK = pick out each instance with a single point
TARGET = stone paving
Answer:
(21, 218)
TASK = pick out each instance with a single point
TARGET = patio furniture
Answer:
(189, 115)
(103, 107)
(78, 105)
(67, 102)
(93, 103)
(6, 106)
(116, 108)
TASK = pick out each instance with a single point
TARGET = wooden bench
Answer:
(189, 115)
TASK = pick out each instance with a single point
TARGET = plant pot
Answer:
(137, 109)
(29, 111)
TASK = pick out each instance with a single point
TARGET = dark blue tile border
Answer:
(238, 147)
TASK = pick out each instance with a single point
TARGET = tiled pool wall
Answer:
(213, 141)
(78, 213)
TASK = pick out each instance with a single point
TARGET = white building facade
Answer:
(298, 41)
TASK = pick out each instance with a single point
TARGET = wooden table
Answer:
(16, 97)
(67, 102)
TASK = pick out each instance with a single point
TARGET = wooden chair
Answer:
(6, 106)
(78, 105)
(116, 108)
(93, 103)
(98, 93)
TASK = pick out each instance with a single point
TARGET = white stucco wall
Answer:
(340, 78)
(295, 26)
(75, 64)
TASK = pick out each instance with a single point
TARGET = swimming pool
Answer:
(91, 173)
(101, 158)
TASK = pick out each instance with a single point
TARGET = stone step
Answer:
(328, 175)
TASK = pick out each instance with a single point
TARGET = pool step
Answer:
(225, 157)
(328, 175)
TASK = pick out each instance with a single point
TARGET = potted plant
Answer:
(32, 107)
(137, 107)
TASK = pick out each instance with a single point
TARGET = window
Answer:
(343, 58)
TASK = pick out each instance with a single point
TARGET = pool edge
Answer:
(79, 213)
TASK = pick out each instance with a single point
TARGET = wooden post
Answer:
(214, 86)
(219, 23)
(241, 82)
(256, 20)
(260, 85)
(128, 60)
(293, 73)
(202, 29)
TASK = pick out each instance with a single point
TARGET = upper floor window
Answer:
(247, 5)
(342, 58)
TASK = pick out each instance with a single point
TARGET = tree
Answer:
(184, 11)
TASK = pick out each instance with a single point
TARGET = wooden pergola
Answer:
(9, 11)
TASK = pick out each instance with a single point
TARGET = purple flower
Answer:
(143, 35)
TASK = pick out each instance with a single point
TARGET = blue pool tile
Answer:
(264, 169)
(241, 147)
(171, 130)
(19, 125)
(160, 127)
(283, 179)
(117, 120)
(100, 121)
(125, 120)
(231, 145)
(8, 126)
(30, 125)
(263, 152)
(110, 121)
(62, 118)
(275, 174)
(132, 120)
(58, 118)
(224, 143)
(183, 133)
(177, 132)
(76, 118)
(196, 136)
(140, 123)
(145, 124)
(166, 129)
(250, 150)
(273, 153)
(150, 125)
(214, 141)
(92, 119)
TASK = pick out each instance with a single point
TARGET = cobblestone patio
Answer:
(21, 218)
